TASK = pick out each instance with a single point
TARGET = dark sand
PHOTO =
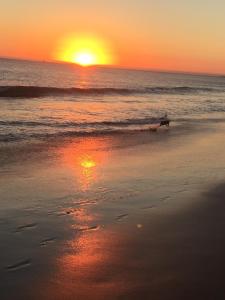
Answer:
(145, 219)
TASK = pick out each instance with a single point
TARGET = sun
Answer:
(85, 59)
(84, 51)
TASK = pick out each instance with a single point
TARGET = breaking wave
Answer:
(127, 122)
(73, 129)
(37, 91)
(45, 130)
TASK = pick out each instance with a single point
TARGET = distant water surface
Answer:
(39, 99)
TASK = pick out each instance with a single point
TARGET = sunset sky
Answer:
(162, 34)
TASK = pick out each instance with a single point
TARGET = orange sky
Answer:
(168, 35)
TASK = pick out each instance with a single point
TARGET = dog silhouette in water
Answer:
(164, 121)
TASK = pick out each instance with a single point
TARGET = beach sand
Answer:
(129, 216)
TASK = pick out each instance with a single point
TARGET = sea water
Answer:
(39, 100)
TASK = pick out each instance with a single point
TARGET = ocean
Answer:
(39, 100)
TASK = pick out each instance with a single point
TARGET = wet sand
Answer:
(115, 217)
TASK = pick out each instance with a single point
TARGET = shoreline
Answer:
(113, 218)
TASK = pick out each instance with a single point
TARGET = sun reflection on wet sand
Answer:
(88, 172)
(86, 266)
(85, 158)
(85, 262)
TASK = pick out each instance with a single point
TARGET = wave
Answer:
(128, 126)
(103, 124)
(25, 130)
(121, 123)
(179, 90)
(66, 134)
(37, 91)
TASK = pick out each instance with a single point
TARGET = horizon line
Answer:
(113, 67)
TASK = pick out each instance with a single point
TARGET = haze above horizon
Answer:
(167, 35)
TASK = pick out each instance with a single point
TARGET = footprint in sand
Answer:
(149, 207)
(165, 198)
(47, 241)
(25, 226)
(61, 214)
(180, 191)
(120, 217)
(19, 265)
(68, 212)
(85, 202)
(88, 228)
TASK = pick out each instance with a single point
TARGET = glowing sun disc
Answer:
(84, 51)
(84, 59)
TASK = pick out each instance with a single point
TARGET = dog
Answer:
(164, 121)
